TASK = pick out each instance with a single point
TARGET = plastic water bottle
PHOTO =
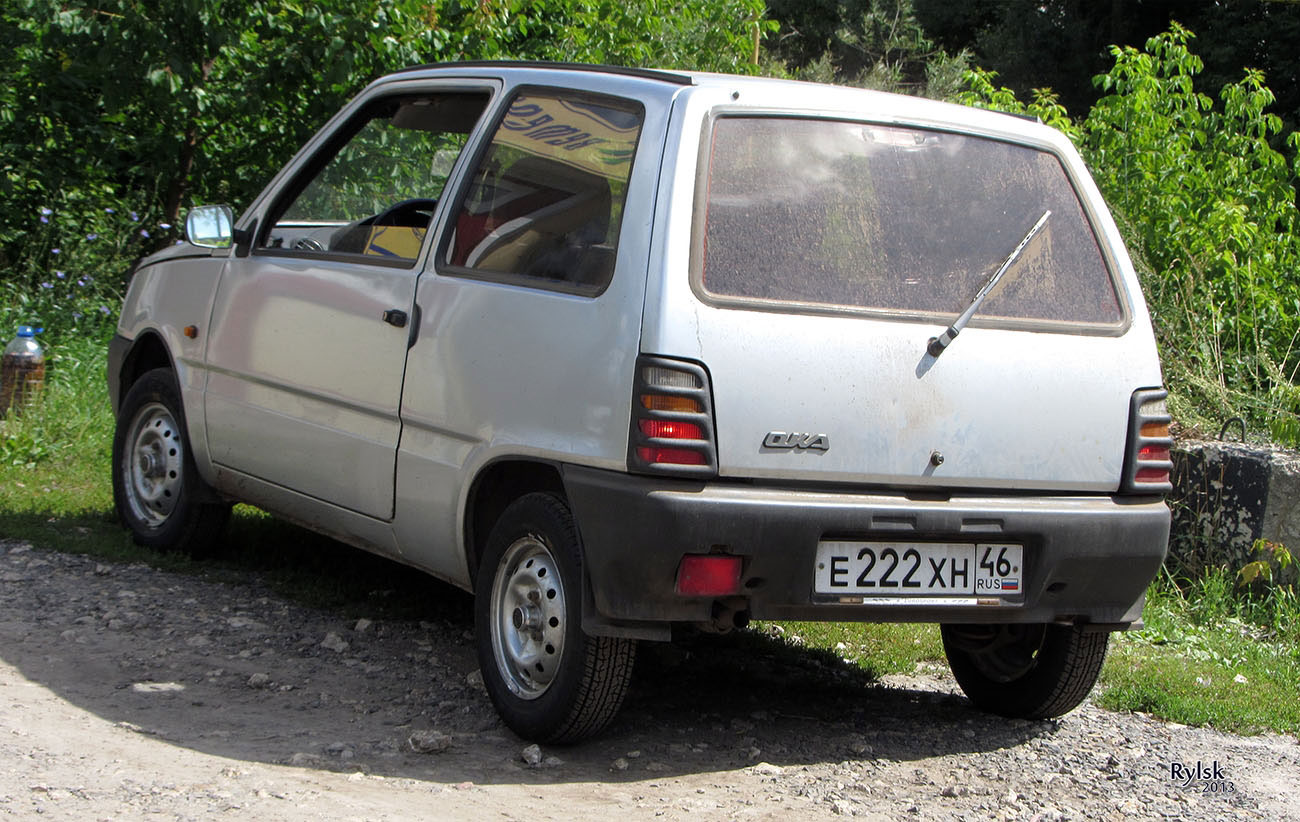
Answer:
(22, 370)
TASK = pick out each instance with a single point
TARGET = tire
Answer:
(549, 681)
(1025, 671)
(157, 490)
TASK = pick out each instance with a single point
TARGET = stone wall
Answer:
(1226, 496)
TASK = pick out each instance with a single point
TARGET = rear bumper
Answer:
(1088, 559)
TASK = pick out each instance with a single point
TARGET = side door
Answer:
(310, 330)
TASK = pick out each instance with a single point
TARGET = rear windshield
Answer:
(857, 216)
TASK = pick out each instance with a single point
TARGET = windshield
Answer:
(849, 215)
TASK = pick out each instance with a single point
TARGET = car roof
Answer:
(674, 77)
(784, 94)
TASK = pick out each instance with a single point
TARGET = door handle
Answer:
(395, 318)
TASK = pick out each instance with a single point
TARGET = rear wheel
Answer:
(157, 490)
(549, 681)
(1025, 671)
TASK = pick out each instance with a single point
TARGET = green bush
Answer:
(114, 119)
(1207, 206)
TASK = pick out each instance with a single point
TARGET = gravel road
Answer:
(127, 692)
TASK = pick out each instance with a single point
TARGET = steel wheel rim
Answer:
(1011, 653)
(152, 465)
(528, 617)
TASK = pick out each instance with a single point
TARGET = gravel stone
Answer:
(531, 755)
(809, 739)
(429, 741)
(334, 642)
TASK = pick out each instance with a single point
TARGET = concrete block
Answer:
(1226, 497)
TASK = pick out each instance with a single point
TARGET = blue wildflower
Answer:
(44, 219)
(92, 236)
(164, 226)
(47, 285)
(103, 309)
(60, 274)
(110, 211)
(45, 212)
(144, 233)
(54, 251)
(135, 218)
(81, 283)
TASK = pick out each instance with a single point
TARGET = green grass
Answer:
(54, 457)
(55, 462)
(1210, 654)
(876, 648)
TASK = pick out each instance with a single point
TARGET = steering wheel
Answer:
(406, 213)
(410, 213)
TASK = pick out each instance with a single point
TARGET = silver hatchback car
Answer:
(620, 350)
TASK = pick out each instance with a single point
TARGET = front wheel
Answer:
(549, 681)
(1025, 671)
(157, 490)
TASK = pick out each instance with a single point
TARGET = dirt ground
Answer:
(132, 693)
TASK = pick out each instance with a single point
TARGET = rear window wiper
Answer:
(937, 344)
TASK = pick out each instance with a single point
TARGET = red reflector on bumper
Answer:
(708, 575)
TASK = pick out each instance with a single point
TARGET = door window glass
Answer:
(374, 192)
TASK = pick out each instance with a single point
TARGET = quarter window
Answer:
(546, 200)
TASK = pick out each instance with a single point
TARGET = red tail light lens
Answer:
(670, 456)
(1156, 475)
(671, 430)
(1153, 452)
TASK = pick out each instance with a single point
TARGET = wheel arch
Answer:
(496, 486)
(147, 352)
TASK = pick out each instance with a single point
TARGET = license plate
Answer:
(892, 569)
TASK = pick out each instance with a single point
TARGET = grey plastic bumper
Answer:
(1088, 559)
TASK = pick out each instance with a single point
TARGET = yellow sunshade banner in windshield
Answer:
(595, 138)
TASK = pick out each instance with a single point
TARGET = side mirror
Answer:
(210, 226)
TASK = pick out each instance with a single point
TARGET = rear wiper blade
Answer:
(941, 342)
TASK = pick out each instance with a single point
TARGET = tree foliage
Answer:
(1210, 206)
(1062, 44)
(119, 107)
(873, 43)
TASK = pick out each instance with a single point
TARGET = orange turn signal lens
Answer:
(660, 402)
(1155, 429)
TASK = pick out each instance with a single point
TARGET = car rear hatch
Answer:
(825, 255)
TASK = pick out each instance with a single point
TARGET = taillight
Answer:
(1148, 464)
(672, 419)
